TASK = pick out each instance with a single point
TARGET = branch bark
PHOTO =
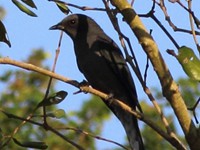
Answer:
(87, 89)
(169, 87)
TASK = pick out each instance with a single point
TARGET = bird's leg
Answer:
(82, 84)
(110, 98)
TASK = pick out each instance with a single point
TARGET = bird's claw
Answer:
(82, 84)
(110, 98)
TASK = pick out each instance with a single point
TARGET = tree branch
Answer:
(169, 87)
(136, 68)
(105, 97)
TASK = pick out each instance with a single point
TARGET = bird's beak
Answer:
(58, 26)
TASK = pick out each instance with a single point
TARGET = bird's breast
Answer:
(98, 73)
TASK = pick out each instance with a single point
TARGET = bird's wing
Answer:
(114, 57)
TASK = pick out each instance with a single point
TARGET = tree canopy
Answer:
(30, 115)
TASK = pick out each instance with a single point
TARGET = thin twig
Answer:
(151, 14)
(192, 25)
(18, 127)
(129, 58)
(132, 2)
(41, 125)
(63, 128)
(91, 135)
(167, 18)
(189, 10)
(78, 7)
(193, 108)
(50, 79)
(145, 72)
(136, 69)
(30, 67)
(87, 89)
(65, 138)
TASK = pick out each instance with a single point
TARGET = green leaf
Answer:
(6, 76)
(63, 7)
(189, 62)
(59, 113)
(54, 99)
(24, 8)
(3, 34)
(37, 145)
(29, 3)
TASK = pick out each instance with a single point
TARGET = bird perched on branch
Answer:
(103, 65)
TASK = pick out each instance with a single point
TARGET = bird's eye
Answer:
(72, 22)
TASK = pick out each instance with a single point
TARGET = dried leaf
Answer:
(3, 34)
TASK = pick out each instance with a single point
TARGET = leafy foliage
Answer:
(29, 3)
(24, 92)
(190, 90)
(63, 7)
(25, 89)
(152, 140)
(25, 9)
(189, 62)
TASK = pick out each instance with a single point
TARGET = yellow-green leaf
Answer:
(3, 34)
(189, 62)
(24, 8)
(59, 113)
(29, 3)
(63, 7)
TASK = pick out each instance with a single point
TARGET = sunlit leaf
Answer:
(189, 62)
(24, 8)
(54, 99)
(3, 34)
(59, 113)
(63, 7)
(29, 3)
(37, 145)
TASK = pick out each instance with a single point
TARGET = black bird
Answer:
(103, 65)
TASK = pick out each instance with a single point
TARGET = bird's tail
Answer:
(133, 134)
(130, 125)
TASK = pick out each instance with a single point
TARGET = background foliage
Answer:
(23, 89)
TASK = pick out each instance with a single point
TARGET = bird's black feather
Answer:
(103, 65)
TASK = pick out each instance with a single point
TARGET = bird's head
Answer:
(75, 25)
(78, 26)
